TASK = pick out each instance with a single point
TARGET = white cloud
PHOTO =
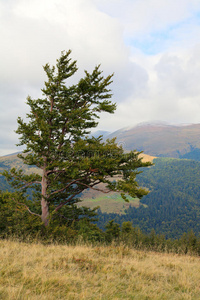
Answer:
(35, 32)
(141, 17)
(152, 46)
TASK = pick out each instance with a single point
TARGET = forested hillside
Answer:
(172, 207)
(173, 204)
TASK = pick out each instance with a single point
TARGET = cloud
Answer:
(155, 25)
(181, 75)
(145, 16)
(171, 90)
(151, 46)
(35, 32)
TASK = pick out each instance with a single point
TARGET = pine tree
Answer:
(57, 142)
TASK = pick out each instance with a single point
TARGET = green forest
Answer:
(171, 211)
(172, 207)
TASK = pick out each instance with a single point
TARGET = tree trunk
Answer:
(44, 203)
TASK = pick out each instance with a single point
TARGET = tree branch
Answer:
(95, 189)
(64, 188)
(67, 201)
(24, 181)
(28, 184)
(26, 208)
(55, 171)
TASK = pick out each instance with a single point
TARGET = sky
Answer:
(151, 46)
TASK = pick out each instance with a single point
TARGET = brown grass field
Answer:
(36, 271)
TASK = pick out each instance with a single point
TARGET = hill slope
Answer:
(35, 271)
(12, 161)
(162, 140)
(173, 205)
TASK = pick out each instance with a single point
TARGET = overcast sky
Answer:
(152, 46)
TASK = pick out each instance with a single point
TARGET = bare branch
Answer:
(72, 196)
(55, 171)
(64, 188)
(29, 183)
(26, 207)
(95, 189)
(67, 201)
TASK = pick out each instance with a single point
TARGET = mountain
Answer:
(158, 139)
(172, 207)
(12, 161)
(161, 139)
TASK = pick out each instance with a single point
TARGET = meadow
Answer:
(110, 203)
(37, 271)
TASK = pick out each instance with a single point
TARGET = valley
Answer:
(173, 205)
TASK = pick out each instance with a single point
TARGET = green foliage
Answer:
(126, 227)
(172, 207)
(67, 226)
(112, 231)
(193, 154)
(57, 143)
(18, 223)
(133, 237)
(15, 218)
(89, 232)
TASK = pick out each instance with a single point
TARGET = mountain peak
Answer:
(153, 123)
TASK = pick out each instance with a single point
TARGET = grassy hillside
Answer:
(109, 203)
(12, 161)
(35, 271)
(9, 162)
(162, 140)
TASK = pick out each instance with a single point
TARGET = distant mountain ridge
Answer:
(161, 139)
(172, 207)
(158, 139)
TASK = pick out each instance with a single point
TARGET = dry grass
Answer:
(35, 271)
(147, 157)
(13, 161)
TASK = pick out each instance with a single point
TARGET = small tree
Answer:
(112, 231)
(57, 142)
